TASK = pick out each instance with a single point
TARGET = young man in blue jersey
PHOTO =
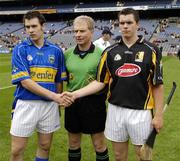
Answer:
(38, 71)
(132, 68)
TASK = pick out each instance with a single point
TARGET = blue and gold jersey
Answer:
(44, 65)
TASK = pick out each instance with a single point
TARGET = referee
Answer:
(132, 68)
(86, 115)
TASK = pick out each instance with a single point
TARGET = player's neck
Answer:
(129, 41)
(40, 42)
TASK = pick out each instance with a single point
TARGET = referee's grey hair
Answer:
(90, 22)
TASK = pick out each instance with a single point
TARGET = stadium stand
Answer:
(59, 29)
(96, 5)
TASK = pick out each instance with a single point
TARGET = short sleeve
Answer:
(20, 69)
(158, 67)
(103, 74)
(61, 74)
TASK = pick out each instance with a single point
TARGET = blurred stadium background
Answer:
(160, 23)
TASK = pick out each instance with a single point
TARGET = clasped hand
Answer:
(65, 99)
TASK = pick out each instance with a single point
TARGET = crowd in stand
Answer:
(170, 37)
(10, 39)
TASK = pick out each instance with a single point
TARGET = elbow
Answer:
(24, 83)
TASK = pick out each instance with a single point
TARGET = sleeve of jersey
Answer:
(61, 74)
(102, 71)
(19, 66)
(158, 68)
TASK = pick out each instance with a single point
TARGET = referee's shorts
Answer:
(86, 115)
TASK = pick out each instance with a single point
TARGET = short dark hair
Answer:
(128, 11)
(34, 14)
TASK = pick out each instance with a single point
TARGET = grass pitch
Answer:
(167, 145)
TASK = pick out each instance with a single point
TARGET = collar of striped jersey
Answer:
(140, 40)
(82, 54)
(30, 42)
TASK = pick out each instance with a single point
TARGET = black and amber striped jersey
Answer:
(131, 73)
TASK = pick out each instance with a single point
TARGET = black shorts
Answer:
(86, 115)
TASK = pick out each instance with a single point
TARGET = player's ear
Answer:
(137, 24)
(43, 27)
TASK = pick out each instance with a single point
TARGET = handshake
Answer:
(65, 99)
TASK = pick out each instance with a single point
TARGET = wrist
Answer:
(53, 96)
(158, 115)
(75, 95)
(159, 112)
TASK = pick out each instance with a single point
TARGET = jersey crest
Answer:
(51, 59)
(139, 56)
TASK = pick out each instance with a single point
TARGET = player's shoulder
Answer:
(112, 47)
(53, 45)
(151, 46)
(110, 50)
(21, 45)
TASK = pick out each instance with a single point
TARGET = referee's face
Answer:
(82, 34)
(128, 26)
(34, 29)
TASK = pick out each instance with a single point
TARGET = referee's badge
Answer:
(139, 56)
(117, 57)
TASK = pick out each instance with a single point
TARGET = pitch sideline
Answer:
(1, 88)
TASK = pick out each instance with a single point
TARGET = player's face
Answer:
(82, 34)
(34, 29)
(128, 26)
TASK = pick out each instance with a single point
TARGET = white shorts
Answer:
(124, 123)
(34, 114)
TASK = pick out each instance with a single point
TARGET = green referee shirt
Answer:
(81, 66)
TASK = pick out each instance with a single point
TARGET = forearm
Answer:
(38, 90)
(91, 88)
(158, 94)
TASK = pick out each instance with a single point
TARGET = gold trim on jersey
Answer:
(154, 58)
(106, 79)
(19, 75)
(101, 64)
(43, 74)
(154, 62)
(63, 75)
(149, 103)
